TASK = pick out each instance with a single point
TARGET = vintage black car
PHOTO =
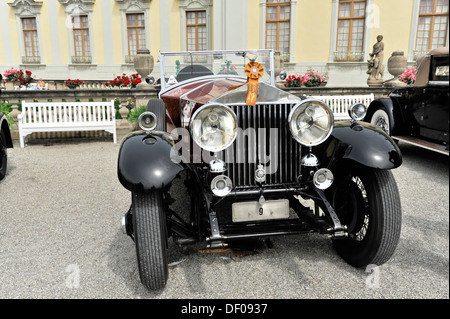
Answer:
(418, 113)
(257, 162)
(5, 142)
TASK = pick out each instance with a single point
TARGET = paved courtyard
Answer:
(60, 237)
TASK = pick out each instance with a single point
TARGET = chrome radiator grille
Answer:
(264, 137)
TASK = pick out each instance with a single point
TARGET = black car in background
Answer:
(418, 113)
(5, 142)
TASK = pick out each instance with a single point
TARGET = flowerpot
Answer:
(397, 63)
(143, 62)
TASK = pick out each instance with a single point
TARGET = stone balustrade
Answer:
(96, 91)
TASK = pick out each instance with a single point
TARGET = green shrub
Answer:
(134, 114)
(6, 109)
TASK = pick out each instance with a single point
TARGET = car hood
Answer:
(226, 90)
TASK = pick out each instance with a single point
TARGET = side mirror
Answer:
(283, 75)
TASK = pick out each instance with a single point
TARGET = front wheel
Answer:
(381, 119)
(368, 202)
(150, 233)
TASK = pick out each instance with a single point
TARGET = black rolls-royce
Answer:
(252, 157)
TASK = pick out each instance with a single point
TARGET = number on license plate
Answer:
(254, 211)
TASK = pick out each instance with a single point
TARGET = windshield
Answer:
(266, 94)
(180, 66)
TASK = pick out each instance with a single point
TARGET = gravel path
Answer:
(60, 237)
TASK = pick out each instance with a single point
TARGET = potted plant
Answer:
(125, 81)
(311, 78)
(15, 76)
(409, 76)
(73, 84)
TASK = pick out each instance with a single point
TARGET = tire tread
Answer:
(150, 240)
(392, 217)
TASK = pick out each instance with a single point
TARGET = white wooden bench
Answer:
(66, 116)
(339, 104)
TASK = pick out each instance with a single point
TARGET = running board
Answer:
(443, 149)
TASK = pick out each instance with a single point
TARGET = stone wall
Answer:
(139, 97)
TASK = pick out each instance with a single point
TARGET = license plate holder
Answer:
(250, 211)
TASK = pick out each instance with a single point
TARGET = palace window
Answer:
(81, 40)
(350, 31)
(278, 21)
(432, 26)
(136, 34)
(30, 39)
(196, 30)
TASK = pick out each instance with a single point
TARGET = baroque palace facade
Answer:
(97, 39)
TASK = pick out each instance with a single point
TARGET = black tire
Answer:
(157, 107)
(368, 202)
(3, 155)
(380, 118)
(150, 236)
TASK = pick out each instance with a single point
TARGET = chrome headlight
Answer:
(311, 122)
(213, 127)
(147, 121)
(357, 111)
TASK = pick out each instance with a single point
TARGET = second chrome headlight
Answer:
(213, 127)
(311, 122)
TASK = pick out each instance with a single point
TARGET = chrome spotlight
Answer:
(221, 185)
(357, 111)
(147, 121)
(323, 178)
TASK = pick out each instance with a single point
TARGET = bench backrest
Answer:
(339, 104)
(61, 113)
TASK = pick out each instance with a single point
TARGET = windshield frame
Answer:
(162, 55)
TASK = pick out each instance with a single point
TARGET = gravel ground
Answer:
(60, 237)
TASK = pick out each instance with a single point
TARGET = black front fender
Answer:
(145, 162)
(361, 142)
(4, 127)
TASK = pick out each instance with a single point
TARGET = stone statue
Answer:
(375, 64)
